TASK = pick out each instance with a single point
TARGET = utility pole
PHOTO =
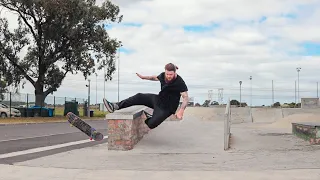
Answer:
(250, 91)
(272, 94)
(220, 95)
(210, 92)
(240, 82)
(317, 89)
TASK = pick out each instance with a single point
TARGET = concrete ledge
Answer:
(126, 127)
(309, 131)
(127, 113)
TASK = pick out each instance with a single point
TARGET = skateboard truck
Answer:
(92, 133)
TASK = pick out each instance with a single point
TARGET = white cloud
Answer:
(238, 47)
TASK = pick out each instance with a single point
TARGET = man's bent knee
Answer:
(140, 95)
(151, 124)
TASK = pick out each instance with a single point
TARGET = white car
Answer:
(5, 111)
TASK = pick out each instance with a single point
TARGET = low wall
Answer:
(240, 115)
(266, 114)
(126, 127)
(307, 131)
(310, 103)
(247, 114)
(291, 111)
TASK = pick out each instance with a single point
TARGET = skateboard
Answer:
(77, 122)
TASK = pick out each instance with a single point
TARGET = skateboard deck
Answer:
(77, 122)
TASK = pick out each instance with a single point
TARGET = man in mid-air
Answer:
(163, 104)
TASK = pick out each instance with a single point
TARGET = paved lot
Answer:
(191, 149)
(22, 131)
(28, 137)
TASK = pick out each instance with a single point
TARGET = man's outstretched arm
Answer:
(151, 78)
(185, 99)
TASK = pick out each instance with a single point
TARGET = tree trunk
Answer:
(40, 100)
(40, 96)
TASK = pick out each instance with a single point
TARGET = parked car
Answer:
(5, 111)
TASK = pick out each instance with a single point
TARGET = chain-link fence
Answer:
(30, 106)
(274, 94)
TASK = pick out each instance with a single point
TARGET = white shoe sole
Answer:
(106, 104)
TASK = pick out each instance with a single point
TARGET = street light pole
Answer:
(88, 110)
(295, 93)
(104, 83)
(240, 82)
(96, 89)
(298, 70)
(119, 74)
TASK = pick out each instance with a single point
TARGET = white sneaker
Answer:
(111, 107)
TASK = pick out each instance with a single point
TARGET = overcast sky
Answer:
(216, 44)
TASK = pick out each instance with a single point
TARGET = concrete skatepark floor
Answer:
(192, 148)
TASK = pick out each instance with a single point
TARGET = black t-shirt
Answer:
(169, 96)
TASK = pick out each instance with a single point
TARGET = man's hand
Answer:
(151, 78)
(139, 75)
(179, 114)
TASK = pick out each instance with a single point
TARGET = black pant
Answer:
(149, 100)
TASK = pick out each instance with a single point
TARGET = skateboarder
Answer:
(165, 103)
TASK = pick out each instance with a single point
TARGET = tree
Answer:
(292, 105)
(214, 103)
(234, 102)
(276, 104)
(2, 89)
(60, 37)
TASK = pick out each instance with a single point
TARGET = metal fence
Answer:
(267, 94)
(22, 101)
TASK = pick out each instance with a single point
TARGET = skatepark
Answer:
(261, 143)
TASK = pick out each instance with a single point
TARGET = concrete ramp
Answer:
(286, 122)
(246, 114)
(206, 113)
(291, 111)
(240, 115)
(265, 115)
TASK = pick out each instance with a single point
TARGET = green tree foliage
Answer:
(276, 104)
(59, 37)
(234, 102)
(214, 103)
